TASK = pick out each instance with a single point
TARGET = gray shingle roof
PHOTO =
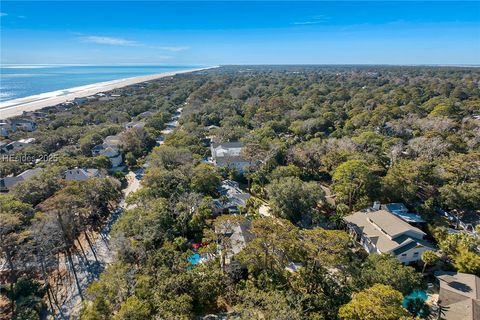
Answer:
(386, 229)
(227, 145)
(459, 295)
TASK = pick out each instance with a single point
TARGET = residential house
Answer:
(35, 114)
(233, 236)
(380, 231)
(459, 296)
(80, 174)
(113, 141)
(8, 182)
(12, 125)
(16, 145)
(80, 101)
(5, 128)
(135, 125)
(146, 114)
(229, 155)
(109, 151)
(24, 124)
(212, 127)
(235, 198)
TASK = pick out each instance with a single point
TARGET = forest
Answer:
(362, 133)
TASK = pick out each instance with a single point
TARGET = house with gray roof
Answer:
(8, 182)
(228, 154)
(16, 145)
(134, 125)
(380, 231)
(81, 174)
(111, 152)
(110, 148)
(233, 236)
(235, 197)
(24, 124)
(459, 295)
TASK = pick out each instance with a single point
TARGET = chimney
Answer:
(376, 205)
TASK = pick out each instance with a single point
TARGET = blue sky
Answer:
(153, 32)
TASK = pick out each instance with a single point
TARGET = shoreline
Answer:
(16, 107)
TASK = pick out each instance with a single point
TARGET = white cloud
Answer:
(109, 41)
(174, 49)
(313, 20)
(113, 41)
(3, 14)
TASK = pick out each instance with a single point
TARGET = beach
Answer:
(16, 107)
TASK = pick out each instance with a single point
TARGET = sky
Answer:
(217, 33)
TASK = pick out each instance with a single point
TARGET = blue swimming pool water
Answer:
(416, 294)
(194, 259)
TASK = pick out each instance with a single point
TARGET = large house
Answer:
(16, 145)
(228, 154)
(232, 198)
(110, 149)
(8, 182)
(24, 124)
(12, 125)
(111, 152)
(233, 236)
(134, 125)
(459, 296)
(80, 174)
(380, 231)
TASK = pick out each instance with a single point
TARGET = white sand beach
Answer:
(16, 107)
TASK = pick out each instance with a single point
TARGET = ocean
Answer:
(19, 81)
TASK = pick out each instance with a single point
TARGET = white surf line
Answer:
(15, 107)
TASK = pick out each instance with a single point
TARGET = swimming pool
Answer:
(194, 259)
(417, 294)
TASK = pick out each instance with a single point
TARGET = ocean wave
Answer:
(23, 75)
(24, 66)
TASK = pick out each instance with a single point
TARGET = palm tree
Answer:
(428, 257)
(418, 308)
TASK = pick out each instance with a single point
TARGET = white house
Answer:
(8, 182)
(80, 174)
(228, 154)
(111, 152)
(380, 231)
